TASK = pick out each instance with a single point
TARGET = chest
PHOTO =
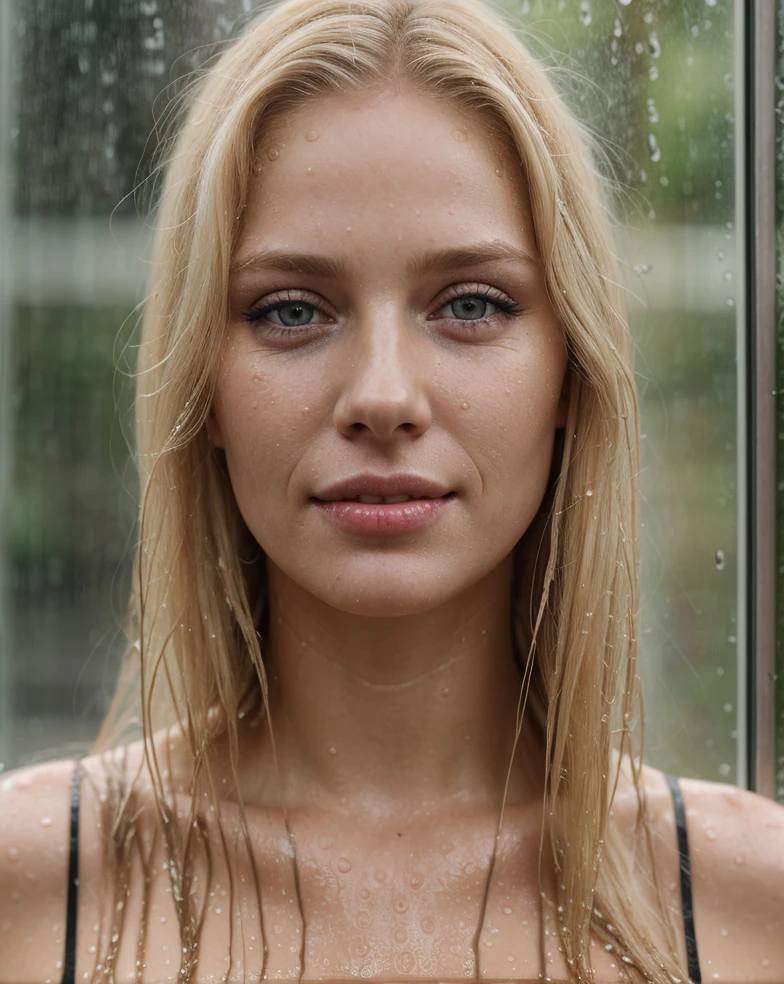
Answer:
(428, 900)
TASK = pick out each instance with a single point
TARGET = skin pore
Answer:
(390, 656)
(393, 687)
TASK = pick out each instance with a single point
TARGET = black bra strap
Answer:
(692, 957)
(69, 963)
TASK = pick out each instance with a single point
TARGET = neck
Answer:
(379, 712)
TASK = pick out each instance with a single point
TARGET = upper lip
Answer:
(384, 485)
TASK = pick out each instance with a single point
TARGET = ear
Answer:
(214, 430)
(563, 403)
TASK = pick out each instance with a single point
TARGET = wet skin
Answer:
(393, 686)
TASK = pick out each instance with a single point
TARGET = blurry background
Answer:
(81, 85)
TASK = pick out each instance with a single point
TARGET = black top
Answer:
(69, 963)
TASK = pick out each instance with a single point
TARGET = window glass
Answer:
(656, 84)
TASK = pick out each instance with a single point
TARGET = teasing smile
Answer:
(393, 373)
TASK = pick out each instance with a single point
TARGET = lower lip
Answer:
(384, 519)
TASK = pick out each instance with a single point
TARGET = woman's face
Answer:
(390, 333)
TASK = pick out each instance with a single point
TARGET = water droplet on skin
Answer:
(740, 859)
(711, 834)
(348, 228)
(312, 135)
(507, 911)
(365, 894)
(416, 881)
(400, 936)
(765, 962)
(589, 493)
(332, 750)
(13, 853)
(344, 865)
(380, 875)
(325, 842)
(273, 153)
(400, 905)
(427, 924)
(465, 405)
(46, 821)
(460, 135)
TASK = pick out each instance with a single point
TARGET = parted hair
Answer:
(198, 610)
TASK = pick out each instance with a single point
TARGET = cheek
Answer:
(263, 425)
(512, 418)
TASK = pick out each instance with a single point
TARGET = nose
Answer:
(384, 390)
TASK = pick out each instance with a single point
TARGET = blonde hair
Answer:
(198, 603)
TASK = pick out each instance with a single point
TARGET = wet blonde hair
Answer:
(198, 605)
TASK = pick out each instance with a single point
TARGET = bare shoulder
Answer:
(736, 850)
(736, 842)
(34, 834)
(35, 829)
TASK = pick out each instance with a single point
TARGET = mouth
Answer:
(366, 514)
(386, 500)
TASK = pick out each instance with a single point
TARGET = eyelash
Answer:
(505, 305)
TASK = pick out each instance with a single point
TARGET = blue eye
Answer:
(473, 306)
(292, 314)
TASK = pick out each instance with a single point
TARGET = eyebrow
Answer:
(437, 261)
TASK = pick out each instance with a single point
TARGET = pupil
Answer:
(294, 314)
(472, 307)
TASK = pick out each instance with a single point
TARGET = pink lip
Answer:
(383, 519)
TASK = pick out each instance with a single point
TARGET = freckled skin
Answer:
(392, 377)
(392, 683)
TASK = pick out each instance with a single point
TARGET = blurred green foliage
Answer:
(653, 82)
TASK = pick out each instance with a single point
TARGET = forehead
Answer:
(385, 169)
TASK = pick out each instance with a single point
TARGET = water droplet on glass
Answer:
(725, 769)
(719, 560)
(653, 148)
(654, 48)
(585, 12)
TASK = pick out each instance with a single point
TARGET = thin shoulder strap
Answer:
(692, 957)
(69, 962)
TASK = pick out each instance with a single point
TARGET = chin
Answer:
(386, 597)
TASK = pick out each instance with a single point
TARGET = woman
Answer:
(386, 583)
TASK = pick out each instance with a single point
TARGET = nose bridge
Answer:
(383, 388)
